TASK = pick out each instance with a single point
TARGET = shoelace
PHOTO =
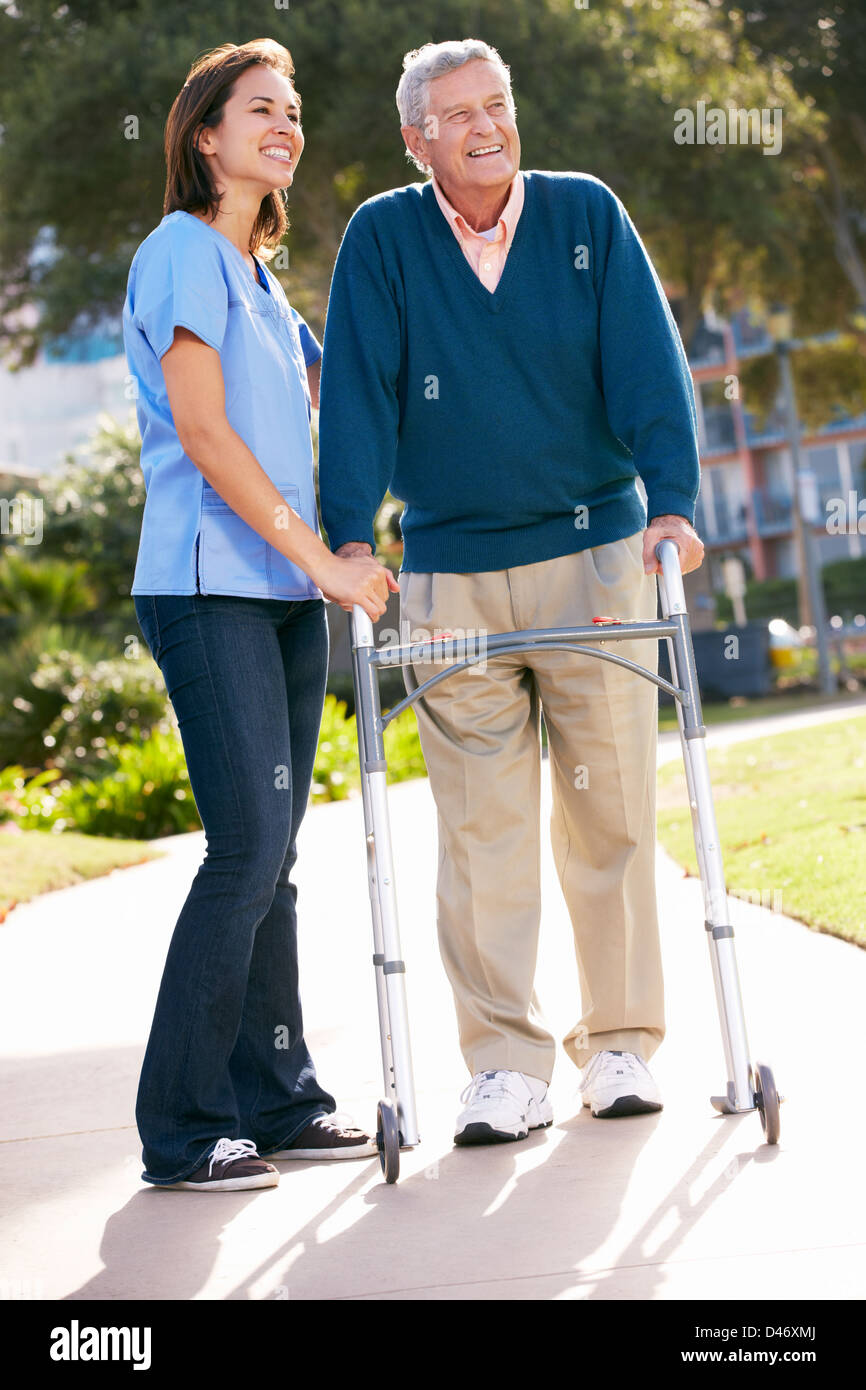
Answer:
(609, 1061)
(228, 1149)
(338, 1121)
(489, 1086)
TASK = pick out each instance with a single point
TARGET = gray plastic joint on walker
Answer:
(700, 731)
(394, 967)
(719, 932)
(375, 765)
(378, 959)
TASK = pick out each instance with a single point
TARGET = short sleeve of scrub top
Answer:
(182, 288)
(310, 345)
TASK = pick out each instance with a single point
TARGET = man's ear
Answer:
(415, 142)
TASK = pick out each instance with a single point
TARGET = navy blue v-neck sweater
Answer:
(512, 424)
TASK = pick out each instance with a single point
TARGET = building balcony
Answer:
(774, 516)
(729, 525)
(718, 435)
(774, 513)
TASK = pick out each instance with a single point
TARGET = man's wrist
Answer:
(354, 548)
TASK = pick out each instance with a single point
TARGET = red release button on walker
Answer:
(607, 620)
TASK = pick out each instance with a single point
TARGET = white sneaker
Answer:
(618, 1083)
(502, 1105)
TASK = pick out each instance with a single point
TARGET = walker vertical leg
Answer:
(740, 1093)
(389, 966)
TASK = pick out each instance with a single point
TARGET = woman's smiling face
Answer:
(259, 139)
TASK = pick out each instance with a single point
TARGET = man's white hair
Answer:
(422, 65)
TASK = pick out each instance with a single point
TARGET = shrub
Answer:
(844, 591)
(99, 703)
(27, 710)
(51, 590)
(337, 772)
(28, 803)
(94, 511)
(145, 796)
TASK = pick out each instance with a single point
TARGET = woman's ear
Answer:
(202, 141)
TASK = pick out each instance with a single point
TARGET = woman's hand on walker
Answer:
(353, 576)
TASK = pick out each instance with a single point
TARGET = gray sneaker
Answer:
(233, 1165)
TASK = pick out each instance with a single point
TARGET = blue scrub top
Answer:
(187, 273)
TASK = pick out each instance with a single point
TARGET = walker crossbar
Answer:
(744, 1092)
(503, 644)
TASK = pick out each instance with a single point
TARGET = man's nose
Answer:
(483, 124)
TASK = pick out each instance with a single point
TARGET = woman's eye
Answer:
(293, 116)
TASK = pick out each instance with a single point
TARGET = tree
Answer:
(85, 88)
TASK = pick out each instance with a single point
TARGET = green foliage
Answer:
(596, 89)
(146, 794)
(29, 802)
(93, 513)
(336, 769)
(845, 587)
(27, 710)
(844, 591)
(764, 598)
(337, 773)
(829, 383)
(101, 704)
(65, 695)
(403, 749)
(44, 588)
(391, 688)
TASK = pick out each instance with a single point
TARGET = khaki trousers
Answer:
(480, 733)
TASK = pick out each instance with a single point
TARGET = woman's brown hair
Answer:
(200, 102)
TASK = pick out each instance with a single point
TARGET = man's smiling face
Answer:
(475, 148)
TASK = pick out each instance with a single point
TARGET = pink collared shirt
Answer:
(487, 258)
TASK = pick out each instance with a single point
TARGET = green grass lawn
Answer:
(742, 707)
(791, 814)
(36, 861)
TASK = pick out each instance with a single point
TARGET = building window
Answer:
(717, 424)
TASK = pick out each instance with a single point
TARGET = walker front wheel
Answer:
(767, 1100)
(388, 1140)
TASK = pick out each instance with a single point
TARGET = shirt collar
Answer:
(509, 216)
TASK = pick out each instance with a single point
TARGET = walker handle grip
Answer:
(671, 578)
(666, 540)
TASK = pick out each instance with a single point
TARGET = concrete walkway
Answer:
(684, 1204)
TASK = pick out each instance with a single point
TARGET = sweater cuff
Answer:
(670, 502)
(352, 531)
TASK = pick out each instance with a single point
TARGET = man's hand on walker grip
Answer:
(360, 578)
(675, 528)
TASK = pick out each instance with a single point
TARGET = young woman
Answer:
(228, 593)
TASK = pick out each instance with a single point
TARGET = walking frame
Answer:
(747, 1088)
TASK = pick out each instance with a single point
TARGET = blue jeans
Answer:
(226, 1054)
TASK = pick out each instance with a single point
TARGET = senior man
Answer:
(500, 354)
